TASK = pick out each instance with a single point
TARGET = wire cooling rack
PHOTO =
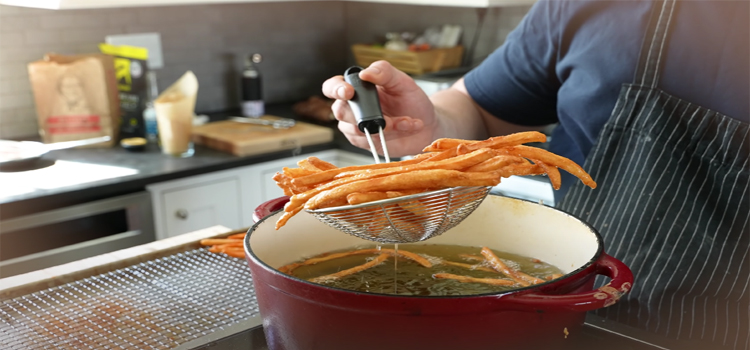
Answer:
(158, 304)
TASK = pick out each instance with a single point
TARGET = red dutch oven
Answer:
(300, 315)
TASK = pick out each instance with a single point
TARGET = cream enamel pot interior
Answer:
(301, 315)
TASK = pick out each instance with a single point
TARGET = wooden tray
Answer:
(412, 62)
(243, 139)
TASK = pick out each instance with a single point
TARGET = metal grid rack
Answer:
(158, 304)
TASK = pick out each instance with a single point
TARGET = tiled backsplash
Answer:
(302, 43)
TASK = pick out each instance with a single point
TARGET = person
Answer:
(652, 97)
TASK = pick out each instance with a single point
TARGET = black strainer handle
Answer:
(365, 104)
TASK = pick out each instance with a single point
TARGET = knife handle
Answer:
(365, 104)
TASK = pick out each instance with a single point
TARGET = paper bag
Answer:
(76, 97)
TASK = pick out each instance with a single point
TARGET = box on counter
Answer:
(131, 70)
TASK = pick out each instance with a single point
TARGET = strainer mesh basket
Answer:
(405, 219)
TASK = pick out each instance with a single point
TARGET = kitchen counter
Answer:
(97, 173)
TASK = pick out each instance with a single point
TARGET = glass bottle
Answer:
(149, 113)
(252, 88)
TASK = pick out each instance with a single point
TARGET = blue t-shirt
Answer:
(567, 60)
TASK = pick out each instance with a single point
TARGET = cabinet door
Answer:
(201, 205)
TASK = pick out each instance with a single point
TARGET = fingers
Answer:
(406, 108)
(395, 128)
(342, 112)
(379, 73)
(336, 88)
(353, 134)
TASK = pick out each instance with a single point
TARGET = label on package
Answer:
(130, 70)
(73, 124)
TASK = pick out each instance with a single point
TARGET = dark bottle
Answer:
(252, 89)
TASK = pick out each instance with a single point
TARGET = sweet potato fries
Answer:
(232, 245)
(446, 163)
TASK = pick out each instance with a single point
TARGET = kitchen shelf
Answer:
(455, 3)
(90, 4)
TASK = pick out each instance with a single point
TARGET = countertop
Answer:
(108, 172)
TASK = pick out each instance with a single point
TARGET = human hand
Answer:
(410, 115)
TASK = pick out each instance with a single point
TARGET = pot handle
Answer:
(269, 208)
(607, 295)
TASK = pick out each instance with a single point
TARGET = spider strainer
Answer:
(405, 219)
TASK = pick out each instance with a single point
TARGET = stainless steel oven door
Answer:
(59, 236)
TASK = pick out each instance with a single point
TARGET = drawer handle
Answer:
(181, 214)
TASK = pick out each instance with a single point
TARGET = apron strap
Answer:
(652, 50)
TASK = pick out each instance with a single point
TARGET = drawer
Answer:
(195, 203)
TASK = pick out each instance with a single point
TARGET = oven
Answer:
(59, 236)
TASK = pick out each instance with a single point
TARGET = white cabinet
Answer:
(87, 4)
(228, 197)
(197, 202)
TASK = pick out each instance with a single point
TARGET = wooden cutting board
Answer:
(243, 139)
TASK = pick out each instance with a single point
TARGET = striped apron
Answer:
(673, 204)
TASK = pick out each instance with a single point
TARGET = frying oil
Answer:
(395, 270)
(406, 277)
